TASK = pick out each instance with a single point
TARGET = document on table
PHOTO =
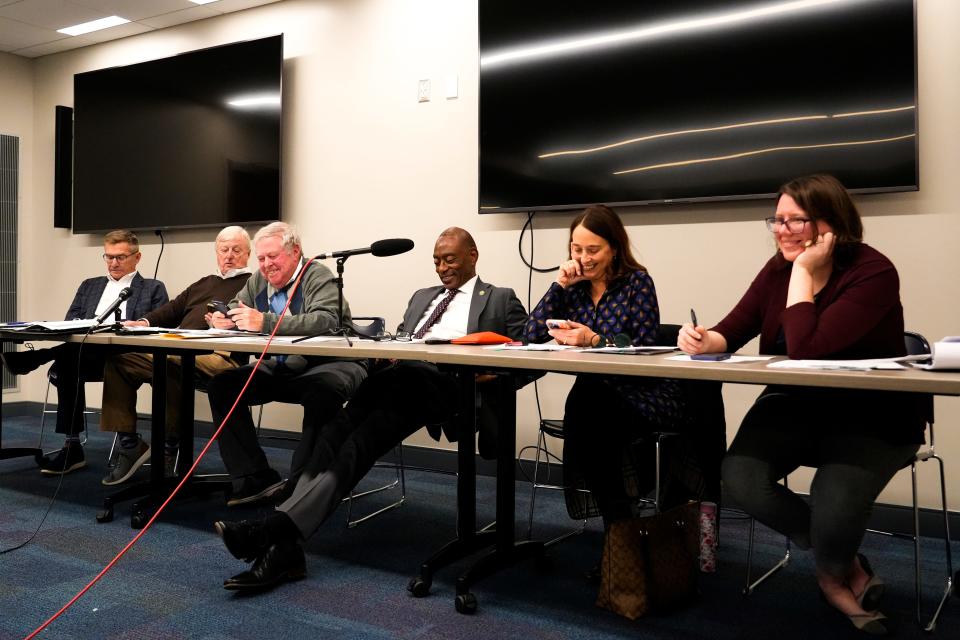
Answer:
(547, 346)
(43, 325)
(734, 359)
(840, 365)
(946, 355)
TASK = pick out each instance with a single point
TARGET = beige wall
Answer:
(363, 160)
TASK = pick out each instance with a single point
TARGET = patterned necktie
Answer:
(437, 312)
(277, 302)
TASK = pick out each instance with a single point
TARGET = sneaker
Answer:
(68, 459)
(128, 461)
(259, 486)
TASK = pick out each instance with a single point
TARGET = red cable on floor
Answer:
(186, 476)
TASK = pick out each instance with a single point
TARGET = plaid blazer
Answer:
(146, 294)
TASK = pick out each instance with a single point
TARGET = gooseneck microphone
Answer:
(380, 248)
(123, 295)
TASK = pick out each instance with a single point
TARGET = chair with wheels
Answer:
(916, 344)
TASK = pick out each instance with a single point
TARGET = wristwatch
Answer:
(601, 343)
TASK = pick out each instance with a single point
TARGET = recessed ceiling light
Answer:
(93, 25)
(202, 1)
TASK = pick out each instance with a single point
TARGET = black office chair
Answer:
(916, 344)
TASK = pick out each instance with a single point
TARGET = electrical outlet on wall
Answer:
(423, 91)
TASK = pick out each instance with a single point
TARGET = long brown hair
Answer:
(824, 198)
(603, 221)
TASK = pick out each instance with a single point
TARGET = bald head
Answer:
(455, 257)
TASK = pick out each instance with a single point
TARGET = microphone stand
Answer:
(341, 329)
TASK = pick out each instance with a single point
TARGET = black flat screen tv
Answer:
(187, 141)
(656, 101)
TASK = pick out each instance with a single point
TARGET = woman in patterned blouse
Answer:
(604, 295)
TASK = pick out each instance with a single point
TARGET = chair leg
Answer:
(948, 587)
(399, 482)
(43, 414)
(751, 586)
(541, 446)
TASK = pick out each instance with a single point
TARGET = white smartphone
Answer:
(553, 323)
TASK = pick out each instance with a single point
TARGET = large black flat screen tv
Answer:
(653, 101)
(187, 141)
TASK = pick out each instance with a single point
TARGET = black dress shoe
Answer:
(246, 539)
(280, 563)
(21, 363)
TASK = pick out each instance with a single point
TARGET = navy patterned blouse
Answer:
(628, 306)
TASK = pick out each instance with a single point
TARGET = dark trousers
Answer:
(600, 428)
(321, 388)
(389, 406)
(71, 398)
(779, 434)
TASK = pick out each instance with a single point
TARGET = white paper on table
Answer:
(839, 365)
(732, 359)
(946, 355)
(547, 346)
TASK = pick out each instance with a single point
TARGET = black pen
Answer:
(693, 318)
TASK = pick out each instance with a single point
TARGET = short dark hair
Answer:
(824, 198)
(604, 221)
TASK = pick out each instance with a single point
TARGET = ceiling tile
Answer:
(52, 14)
(180, 17)
(16, 35)
(135, 9)
(56, 46)
(237, 5)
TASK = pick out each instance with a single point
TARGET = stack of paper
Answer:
(946, 355)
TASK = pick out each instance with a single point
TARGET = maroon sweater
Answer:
(856, 315)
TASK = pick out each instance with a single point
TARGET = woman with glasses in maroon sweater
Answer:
(824, 295)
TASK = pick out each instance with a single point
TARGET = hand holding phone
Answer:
(217, 305)
(554, 323)
(710, 357)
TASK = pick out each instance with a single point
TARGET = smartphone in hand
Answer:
(554, 323)
(217, 305)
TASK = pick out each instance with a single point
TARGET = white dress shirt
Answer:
(453, 322)
(111, 291)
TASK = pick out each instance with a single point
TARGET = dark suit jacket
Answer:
(494, 309)
(146, 294)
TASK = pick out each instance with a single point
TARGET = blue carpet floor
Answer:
(168, 586)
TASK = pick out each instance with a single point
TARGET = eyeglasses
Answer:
(123, 257)
(793, 225)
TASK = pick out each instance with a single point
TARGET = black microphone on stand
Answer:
(380, 248)
(123, 295)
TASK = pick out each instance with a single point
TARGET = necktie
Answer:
(437, 312)
(277, 302)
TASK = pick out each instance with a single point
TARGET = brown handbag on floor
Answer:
(650, 563)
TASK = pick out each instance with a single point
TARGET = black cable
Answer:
(529, 223)
(56, 492)
(157, 269)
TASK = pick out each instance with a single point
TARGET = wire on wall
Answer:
(156, 270)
